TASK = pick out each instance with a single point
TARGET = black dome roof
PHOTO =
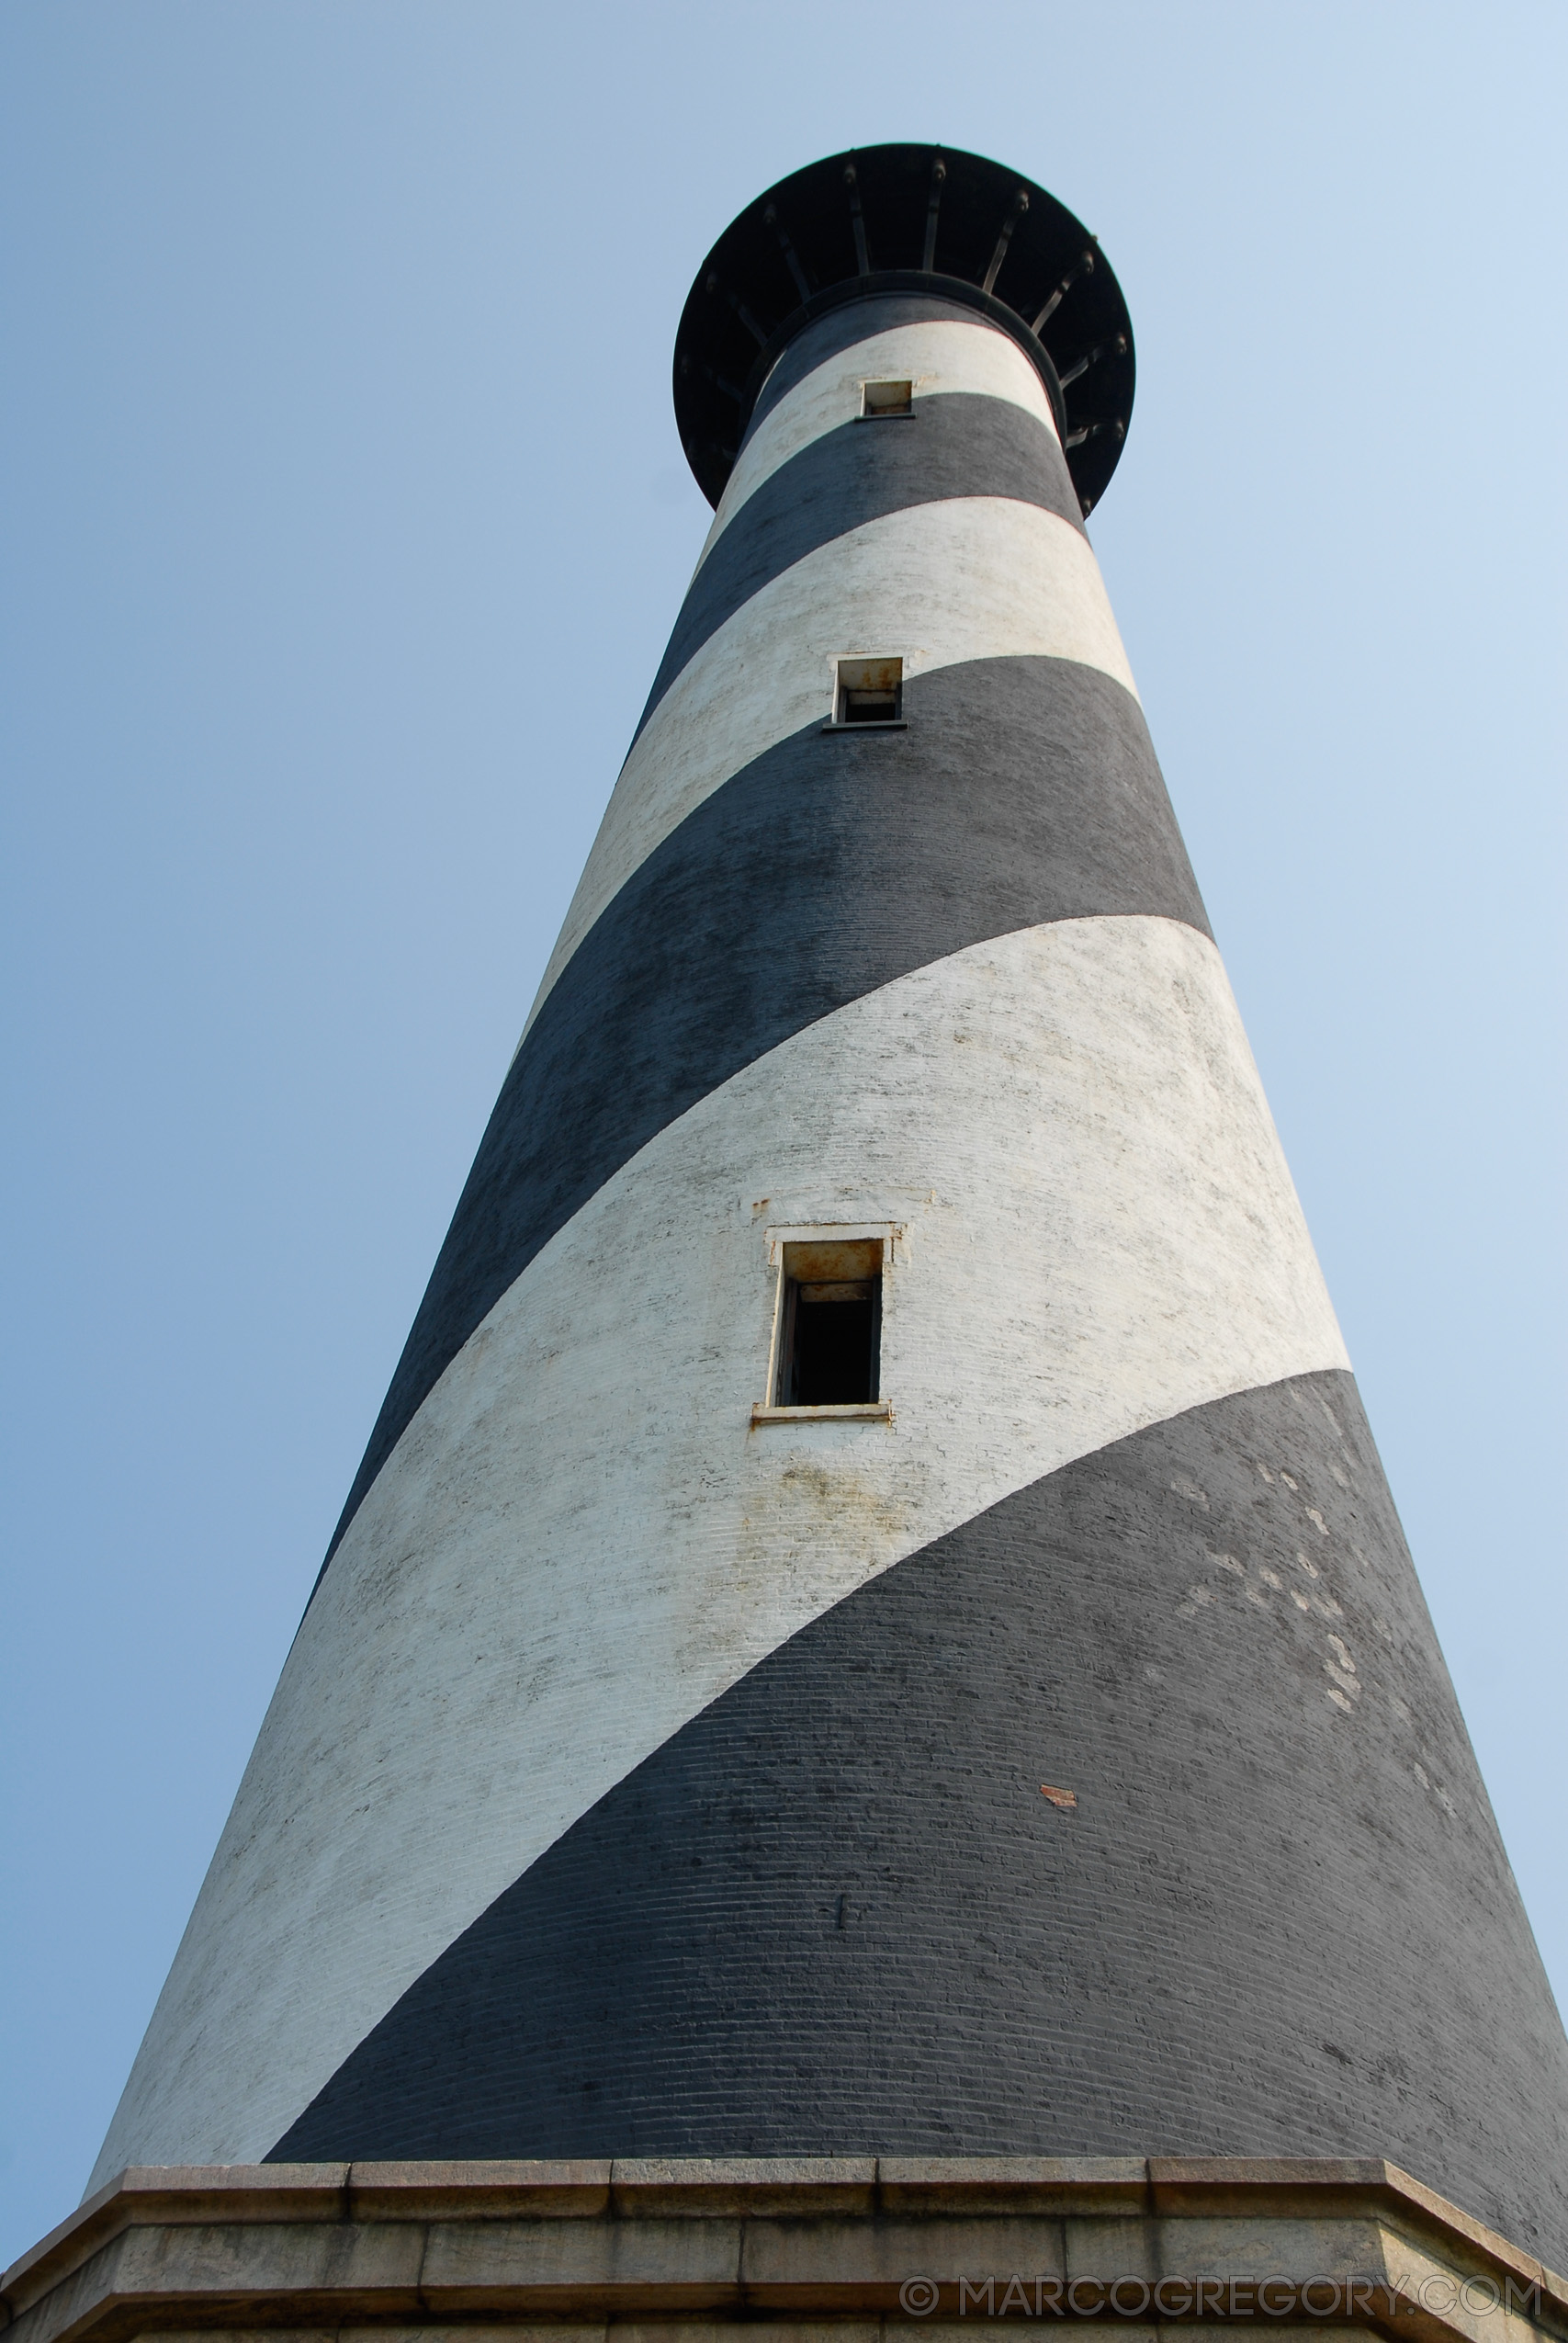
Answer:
(901, 219)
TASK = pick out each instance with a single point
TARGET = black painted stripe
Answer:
(841, 329)
(834, 1914)
(959, 444)
(1024, 791)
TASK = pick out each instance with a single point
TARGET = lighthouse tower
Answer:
(871, 1620)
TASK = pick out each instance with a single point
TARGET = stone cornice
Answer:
(238, 2248)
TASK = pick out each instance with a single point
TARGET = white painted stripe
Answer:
(579, 1542)
(973, 577)
(938, 357)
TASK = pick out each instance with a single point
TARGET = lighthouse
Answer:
(871, 1622)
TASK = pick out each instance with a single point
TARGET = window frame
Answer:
(905, 413)
(841, 684)
(826, 1232)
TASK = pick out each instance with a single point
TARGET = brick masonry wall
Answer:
(837, 1909)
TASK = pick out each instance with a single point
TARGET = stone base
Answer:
(813, 2250)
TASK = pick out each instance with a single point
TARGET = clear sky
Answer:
(343, 523)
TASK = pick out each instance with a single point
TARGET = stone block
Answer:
(1012, 2183)
(745, 2185)
(862, 2264)
(1271, 2241)
(350, 2264)
(1454, 2297)
(554, 2267)
(316, 2270)
(1213, 2183)
(175, 2193)
(517, 2192)
(1111, 2245)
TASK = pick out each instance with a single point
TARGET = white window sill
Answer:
(853, 1412)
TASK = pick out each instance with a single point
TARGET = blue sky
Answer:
(345, 520)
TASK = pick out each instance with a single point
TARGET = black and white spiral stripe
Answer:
(642, 1782)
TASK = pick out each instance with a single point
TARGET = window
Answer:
(827, 1352)
(831, 1334)
(869, 691)
(882, 399)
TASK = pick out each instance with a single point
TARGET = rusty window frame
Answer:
(863, 680)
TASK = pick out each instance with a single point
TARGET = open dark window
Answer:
(830, 1340)
(871, 691)
(880, 399)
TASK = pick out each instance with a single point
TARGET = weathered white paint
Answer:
(973, 577)
(939, 356)
(579, 1542)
